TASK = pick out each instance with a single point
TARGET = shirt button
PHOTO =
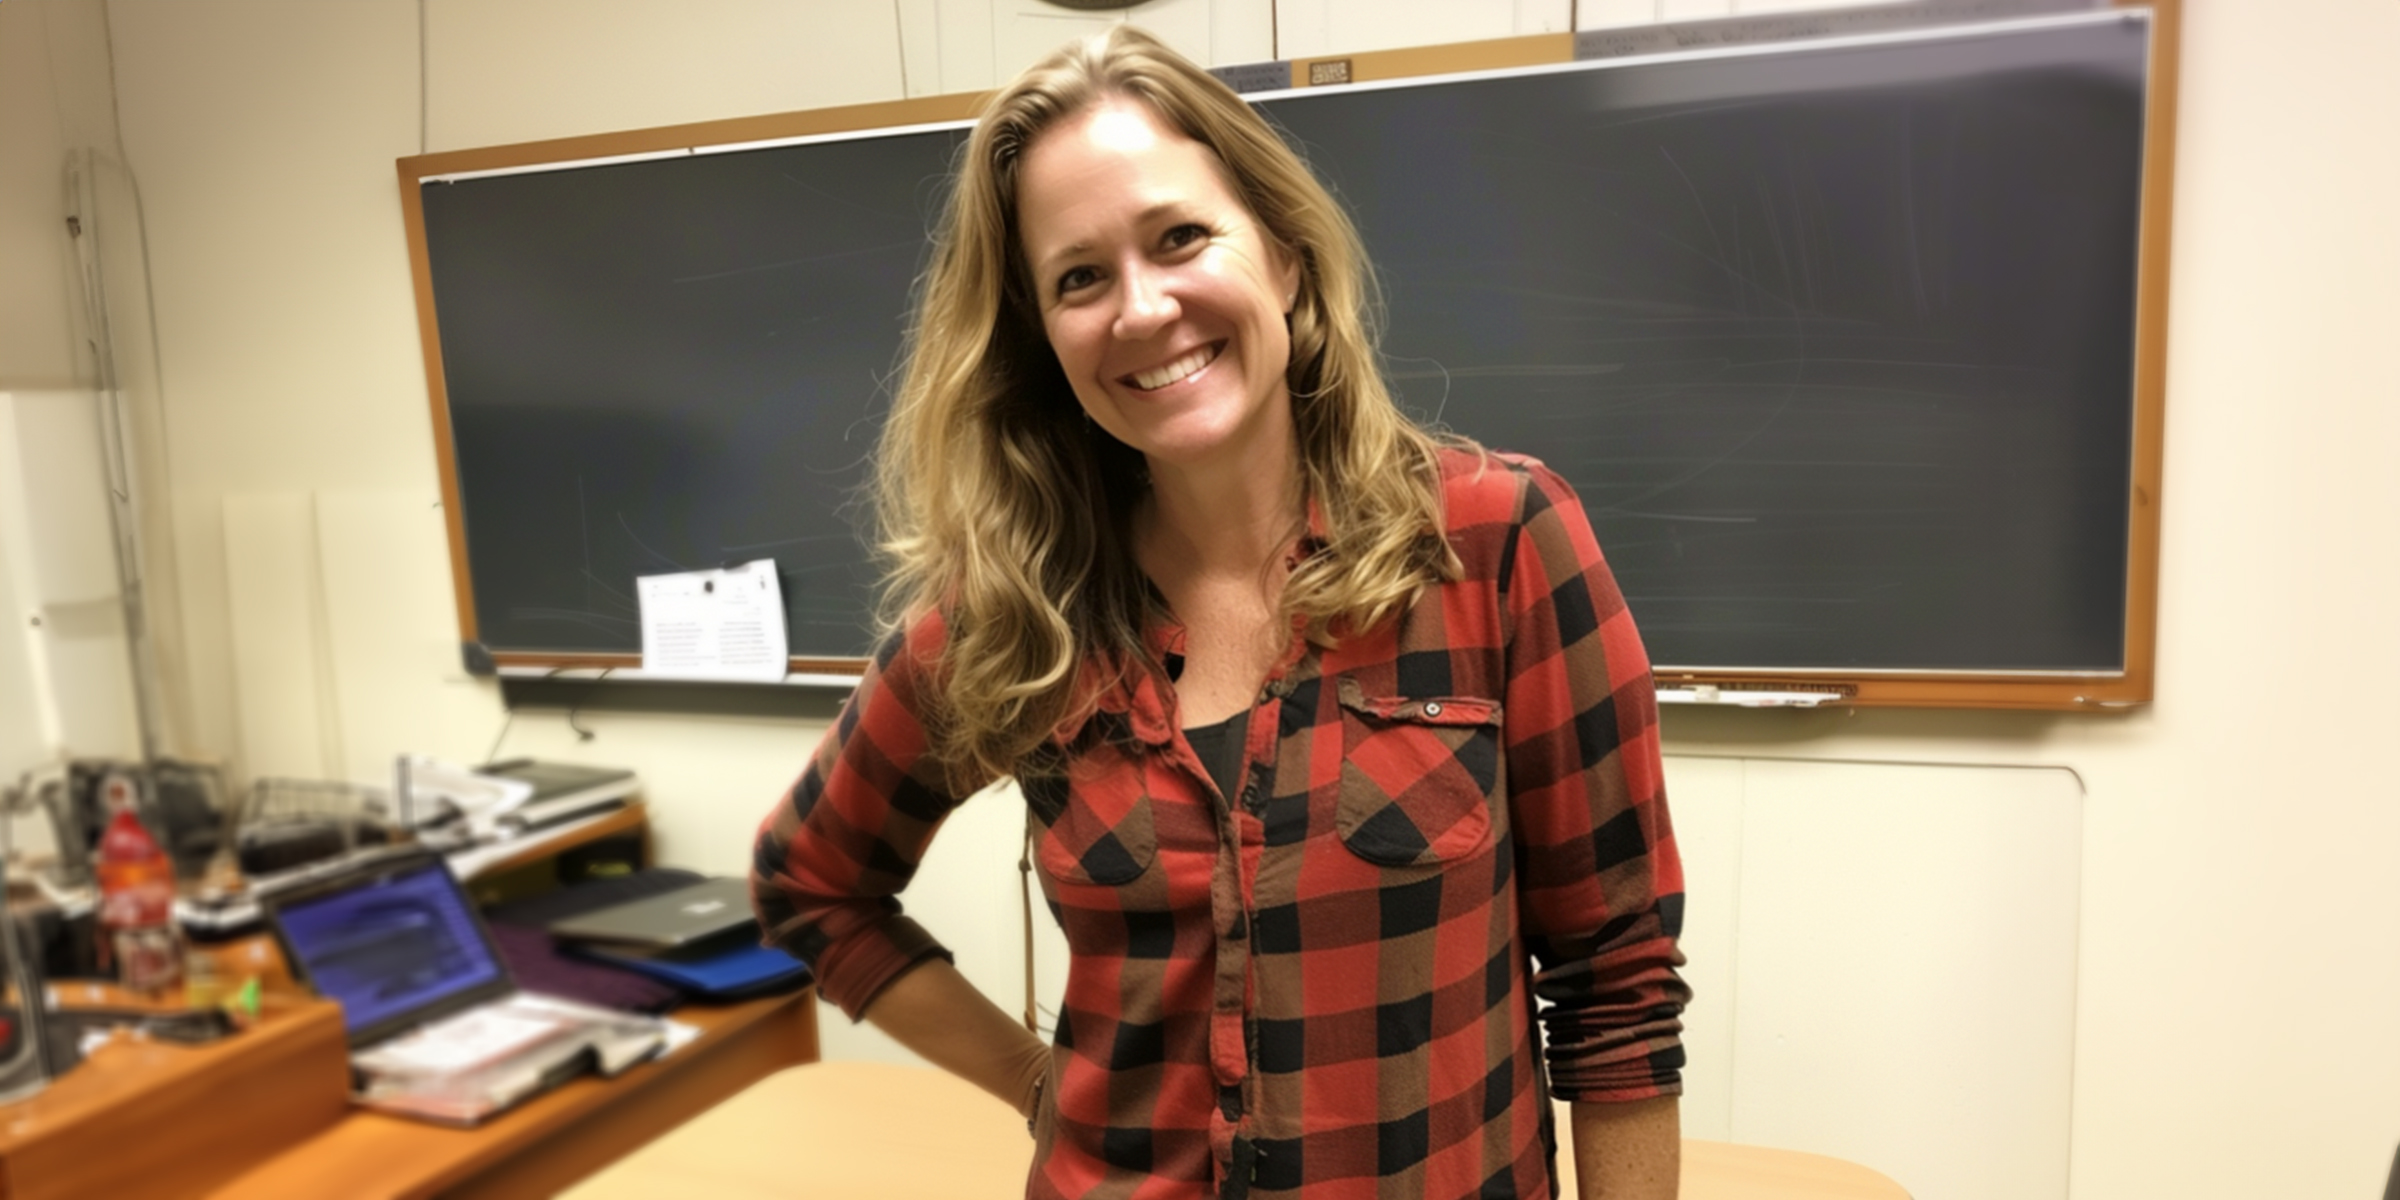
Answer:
(1433, 708)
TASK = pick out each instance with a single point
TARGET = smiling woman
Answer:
(1337, 743)
(1005, 502)
(1162, 298)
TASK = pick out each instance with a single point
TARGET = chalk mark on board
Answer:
(1681, 112)
(1621, 551)
(653, 552)
(1467, 287)
(1908, 203)
(624, 599)
(1702, 205)
(1766, 206)
(1511, 371)
(591, 578)
(1730, 272)
(837, 198)
(1869, 594)
(861, 251)
(600, 621)
(1790, 388)
(747, 547)
(1791, 185)
(1660, 516)
(1602, 462)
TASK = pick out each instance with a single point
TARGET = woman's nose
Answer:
(1145, 303)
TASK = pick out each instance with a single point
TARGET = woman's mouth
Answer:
(1182, 368)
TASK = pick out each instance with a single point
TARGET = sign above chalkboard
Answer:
(1850, 346)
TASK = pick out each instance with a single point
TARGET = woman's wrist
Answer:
(1033, 1101)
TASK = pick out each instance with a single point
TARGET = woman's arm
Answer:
(834, 854)
(830, 863)
(934, 1011)
(1628, 1151)
(1599, 884)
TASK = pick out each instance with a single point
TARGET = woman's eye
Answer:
(1184, 235)
(1077, 279)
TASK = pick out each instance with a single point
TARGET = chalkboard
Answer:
(674, 364)
(1838, 341)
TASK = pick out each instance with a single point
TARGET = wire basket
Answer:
(290, 822)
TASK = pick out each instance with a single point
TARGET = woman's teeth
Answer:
(1158, 377)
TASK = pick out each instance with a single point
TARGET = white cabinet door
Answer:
(66, 674)
(1896, 948)
(971, 45)
(1306, 28)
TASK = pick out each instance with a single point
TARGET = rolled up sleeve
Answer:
(1600, 885)
(837, 849)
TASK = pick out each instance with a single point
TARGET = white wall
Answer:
(54, 94)
(2236, 974)
(65, 684)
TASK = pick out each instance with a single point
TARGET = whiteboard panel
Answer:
(1907, 971)
(1705, 797)
(398, 683)
(289, 722)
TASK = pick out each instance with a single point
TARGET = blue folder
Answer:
(724, 968)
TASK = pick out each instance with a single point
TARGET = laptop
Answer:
(437, 1026)
(704, 910)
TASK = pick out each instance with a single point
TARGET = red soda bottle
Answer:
(137, 898)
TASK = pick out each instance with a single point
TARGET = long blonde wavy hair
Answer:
(1000, 505)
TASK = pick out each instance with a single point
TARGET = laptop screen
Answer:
(394, 944)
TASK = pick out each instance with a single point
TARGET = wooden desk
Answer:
(265, 1114)
(1725, 1171)
(142, 1118)
(913, 1133)
(553, 1140)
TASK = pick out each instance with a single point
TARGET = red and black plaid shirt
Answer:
(1324, 985)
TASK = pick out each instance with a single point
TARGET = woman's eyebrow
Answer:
(1076, 249)
(1071, 250)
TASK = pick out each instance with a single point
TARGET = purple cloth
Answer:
(534, 958)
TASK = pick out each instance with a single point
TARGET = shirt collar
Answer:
(1141, 697)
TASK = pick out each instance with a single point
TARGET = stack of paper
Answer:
(482, 1061)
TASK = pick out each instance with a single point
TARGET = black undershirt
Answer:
(1220, 749)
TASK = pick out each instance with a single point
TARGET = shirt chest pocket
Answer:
(1097, 828)
(1420, 776)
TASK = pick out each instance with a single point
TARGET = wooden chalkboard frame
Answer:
(2115, 690)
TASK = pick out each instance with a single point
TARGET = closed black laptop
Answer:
(707, 909)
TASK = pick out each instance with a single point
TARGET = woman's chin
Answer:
(1196, 450)
(1206, 439)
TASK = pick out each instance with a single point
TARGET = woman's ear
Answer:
(1287, 276)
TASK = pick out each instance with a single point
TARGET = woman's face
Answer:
(1162, 296)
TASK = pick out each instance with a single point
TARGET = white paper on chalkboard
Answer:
(722, 624)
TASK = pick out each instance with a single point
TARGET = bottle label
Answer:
(149, 959)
